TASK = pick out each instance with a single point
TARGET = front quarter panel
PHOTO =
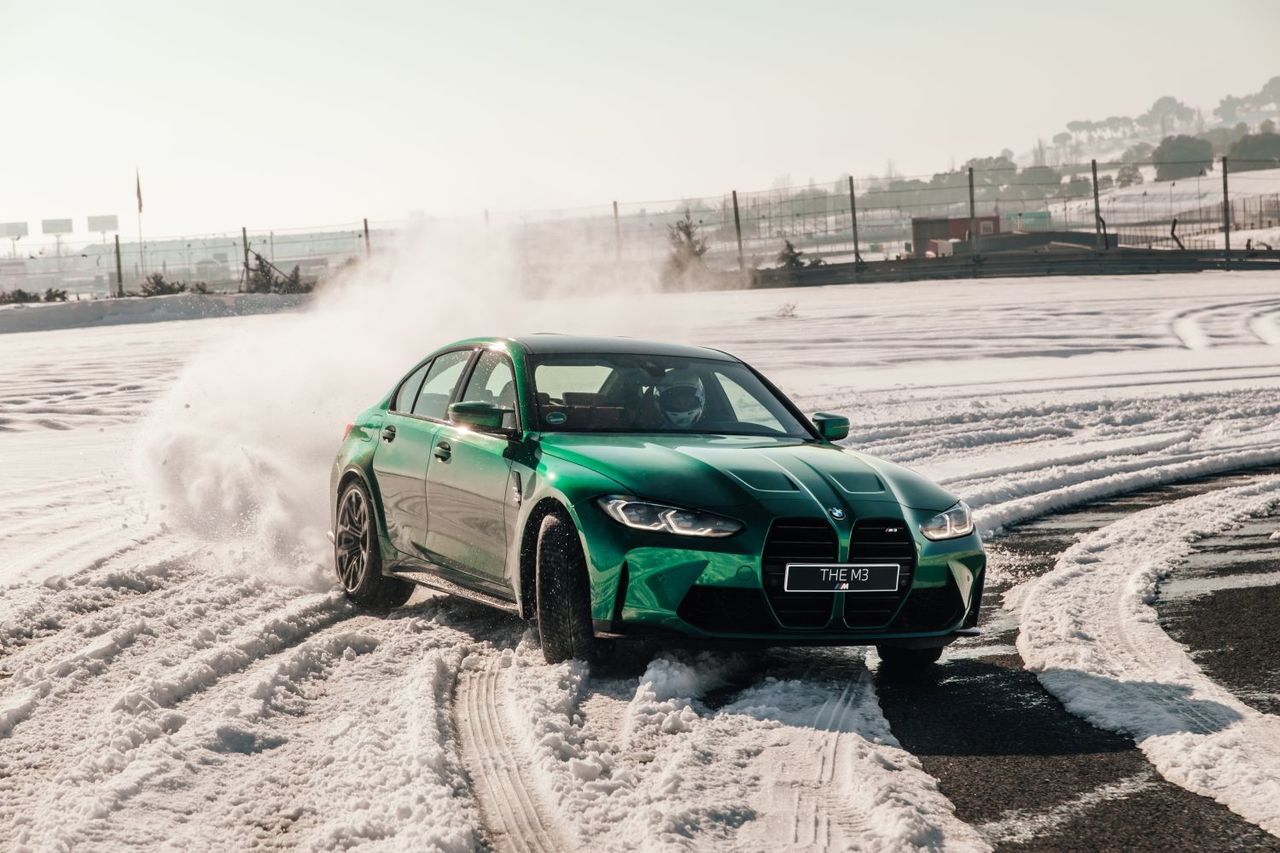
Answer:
(574, 488)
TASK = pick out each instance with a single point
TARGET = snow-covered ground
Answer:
(175, 671)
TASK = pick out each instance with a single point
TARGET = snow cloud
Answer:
(239, 449)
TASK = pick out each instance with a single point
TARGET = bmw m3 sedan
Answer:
(611, 488)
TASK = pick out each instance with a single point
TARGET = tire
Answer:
(898, 659)
(356, 556)
(563, 592)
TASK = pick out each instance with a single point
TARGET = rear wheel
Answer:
(563, 591)
(356, 556)
(899, 659)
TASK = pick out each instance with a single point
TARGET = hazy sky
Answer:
(275, 114)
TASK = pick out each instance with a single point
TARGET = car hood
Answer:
(730, 471)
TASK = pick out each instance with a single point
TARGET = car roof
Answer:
(549, 344)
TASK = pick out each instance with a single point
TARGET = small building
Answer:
(924, 229)
(1027, 220)
(940, 248)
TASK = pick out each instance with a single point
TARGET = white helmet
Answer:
(681, 398)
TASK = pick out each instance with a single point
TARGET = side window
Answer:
(747, 408)
(408, 390)
(493, 381)
(442, 378)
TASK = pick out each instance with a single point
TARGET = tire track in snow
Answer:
(339, 741)
(1265, 326)
(513, 818)
(197, 612)
(72, 696)
(806, 781)
(791, 760)
(96, 776)
(1090, 633)
(35, 613)
(1019, 767)
(829, 754)
(1188, 326)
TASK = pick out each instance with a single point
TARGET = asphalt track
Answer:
(1030, 775)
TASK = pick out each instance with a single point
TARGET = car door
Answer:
(469, 481)
(403, 456)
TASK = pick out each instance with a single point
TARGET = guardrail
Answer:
(1018, 264)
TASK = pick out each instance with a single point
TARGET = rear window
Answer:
(408, 390)
(442, 378)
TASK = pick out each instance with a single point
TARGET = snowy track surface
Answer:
(1090, 633)
(162, 689)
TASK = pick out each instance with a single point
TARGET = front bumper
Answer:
(715, 594)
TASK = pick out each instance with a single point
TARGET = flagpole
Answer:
(142, 246)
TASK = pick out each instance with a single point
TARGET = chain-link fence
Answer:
(1041, 208)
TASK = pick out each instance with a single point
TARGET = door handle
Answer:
(443, 451)
(389, 433)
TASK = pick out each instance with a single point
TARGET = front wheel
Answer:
(899, 659)
(563, 592)
(356, 556)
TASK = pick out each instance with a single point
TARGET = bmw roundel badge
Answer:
(836, 512)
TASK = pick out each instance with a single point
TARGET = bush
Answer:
(1137, 153)
(1129, 175)
(55, 295)
(263, 279)
(1077, 187)
(684, 261)
(18, 296)
(1182, 157)
(1255, 151)
(155, 285)
(293, 283)
(790, 258)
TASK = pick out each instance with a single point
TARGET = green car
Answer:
(611, 488)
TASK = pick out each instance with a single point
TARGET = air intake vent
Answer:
(799, 540)
(879, 540)
(932, 609)
(725, 610)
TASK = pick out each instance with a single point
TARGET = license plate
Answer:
(841, 577)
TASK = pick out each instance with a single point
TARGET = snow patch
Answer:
(1090, 633)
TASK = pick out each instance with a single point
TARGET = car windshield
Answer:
(604, 392)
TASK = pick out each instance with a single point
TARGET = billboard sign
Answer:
(103, 224)
(13, 230)
(55, 226)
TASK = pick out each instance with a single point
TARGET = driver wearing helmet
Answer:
(681, 398)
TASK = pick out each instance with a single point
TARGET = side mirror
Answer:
(831, 427)
(481, 416)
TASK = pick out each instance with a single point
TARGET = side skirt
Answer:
(440, 584)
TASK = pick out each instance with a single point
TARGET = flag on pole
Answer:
(139, 183)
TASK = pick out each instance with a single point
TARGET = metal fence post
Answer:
(853, 212)
(1226, 215)
(1097, 210)
(973, 218)
(244, 239)
(617, 235)
(119, 271)
(737, 227)
(367, 249)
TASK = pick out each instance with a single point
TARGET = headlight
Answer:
(643, 515)
(953, 523)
